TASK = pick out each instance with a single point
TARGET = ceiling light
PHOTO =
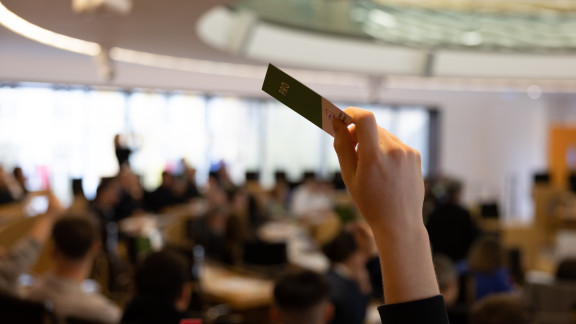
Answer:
(471, 38)
(382, 18)
(534, 91)
(118, 7)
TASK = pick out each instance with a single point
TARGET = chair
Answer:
(16, 310)
(267, 258)
(552, 303)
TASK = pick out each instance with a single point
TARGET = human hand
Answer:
(383, 175)
(55, 207)
(384, 178)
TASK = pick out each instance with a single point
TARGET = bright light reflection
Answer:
(44, 36)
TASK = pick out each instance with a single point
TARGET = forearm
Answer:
(406, 262)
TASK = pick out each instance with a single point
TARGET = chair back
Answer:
(265, 254)
(553, 303)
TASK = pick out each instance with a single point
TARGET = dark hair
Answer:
(501, 309)
(74, 235)
(453, 188)
(566, 269)
(309, 175)
(280, 175)
(486, 255)
(161, 276)
(340, 248)
(300, 291)
(105, 184)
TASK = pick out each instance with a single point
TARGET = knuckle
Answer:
(367, 116)
(396, 152)
(414, 153)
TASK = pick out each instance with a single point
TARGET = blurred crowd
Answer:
(482, 281)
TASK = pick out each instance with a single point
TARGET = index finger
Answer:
(366, 127)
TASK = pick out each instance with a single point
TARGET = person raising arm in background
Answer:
(18, 259)
(384, 178)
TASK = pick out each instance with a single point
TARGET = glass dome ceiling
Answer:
(527, 26)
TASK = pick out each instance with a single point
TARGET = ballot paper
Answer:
(302, 99)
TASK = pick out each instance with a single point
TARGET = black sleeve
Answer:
(424, 311)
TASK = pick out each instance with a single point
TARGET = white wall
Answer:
(494, 142)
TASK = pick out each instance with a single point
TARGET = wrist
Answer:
(401, 226)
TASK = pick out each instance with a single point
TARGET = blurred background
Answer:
(485, 90)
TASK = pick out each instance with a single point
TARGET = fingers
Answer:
(345, 148)
(366, 128)
(352, 129)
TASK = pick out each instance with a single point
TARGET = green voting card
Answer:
(302, 99)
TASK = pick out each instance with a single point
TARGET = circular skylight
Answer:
(528, 26)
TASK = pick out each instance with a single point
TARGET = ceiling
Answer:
(186, 34)
(165, 27)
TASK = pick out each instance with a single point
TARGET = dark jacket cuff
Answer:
(424, 311)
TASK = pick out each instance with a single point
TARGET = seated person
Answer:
(76, 244)
(10, 190)
(486, 269)
(162, 290)
(350, 278)
(450, 226)
(566, 270)
(301, 298)
(20, 257)
(312, 198)
(164, 195)
(447, 276)
(501, 309)
(106, 201)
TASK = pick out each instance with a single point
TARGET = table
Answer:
(240, 291)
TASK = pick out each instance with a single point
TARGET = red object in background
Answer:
(191, 321)
(44, 175)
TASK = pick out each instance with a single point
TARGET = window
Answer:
(59, 134)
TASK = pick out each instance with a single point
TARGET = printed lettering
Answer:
(284, 88)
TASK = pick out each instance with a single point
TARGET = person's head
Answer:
(454, 191)
(309, 175)
(280, 177)
(108, 193)
(167, 179)
(566, 270)
(501, 309)
(76, 240)
(341, 249)
(486, 255)
(164, 276)
(302, 298)
(447, 278)
(216, 219)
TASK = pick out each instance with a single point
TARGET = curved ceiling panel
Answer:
(263, 40)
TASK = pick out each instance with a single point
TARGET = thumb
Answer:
(345, 149)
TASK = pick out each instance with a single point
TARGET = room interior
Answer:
(501, 78)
